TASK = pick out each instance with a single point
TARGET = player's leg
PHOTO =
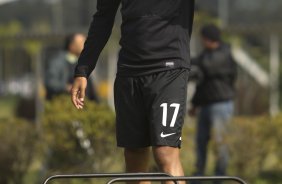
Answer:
(132, 129)
(137, 159)
(168, 160)
(167, 104)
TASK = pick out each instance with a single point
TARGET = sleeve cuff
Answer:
(81, 71)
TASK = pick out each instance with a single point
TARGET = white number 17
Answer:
(176, 109)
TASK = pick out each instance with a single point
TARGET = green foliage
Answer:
(255, 146)
(254, 142)
(63, 128)
(10, 29)
(202, 18)
(32, 47)
(255, 149)
(18, 142)
(276, 124)
(7, 106)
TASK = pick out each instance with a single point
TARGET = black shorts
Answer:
(150, 109)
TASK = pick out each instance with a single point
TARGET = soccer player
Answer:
(152, 74)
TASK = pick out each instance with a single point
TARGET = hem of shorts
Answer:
(132, 73)
(167, 144)
(149, 145)
(132, 146)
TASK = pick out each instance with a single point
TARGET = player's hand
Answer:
(78, 92)
(192, 111)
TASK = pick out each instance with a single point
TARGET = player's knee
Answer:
(129, 152)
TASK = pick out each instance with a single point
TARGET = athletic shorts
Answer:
(150, 109)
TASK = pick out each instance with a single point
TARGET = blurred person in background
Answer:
(152, 75)
(215, 72)
(59, 75)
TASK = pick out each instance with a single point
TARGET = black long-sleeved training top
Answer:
(155, 36)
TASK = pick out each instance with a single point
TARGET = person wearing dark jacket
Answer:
(59, 74)
(215, 71)
(152, 75)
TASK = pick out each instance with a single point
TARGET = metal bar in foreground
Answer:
(104, 175)
(182, 178)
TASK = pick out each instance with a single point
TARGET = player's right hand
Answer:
(78, 92)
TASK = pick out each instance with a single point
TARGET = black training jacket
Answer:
(155, 36)
(216, 73)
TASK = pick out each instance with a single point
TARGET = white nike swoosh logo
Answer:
(166, 135)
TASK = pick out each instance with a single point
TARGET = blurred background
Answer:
(41, 137)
